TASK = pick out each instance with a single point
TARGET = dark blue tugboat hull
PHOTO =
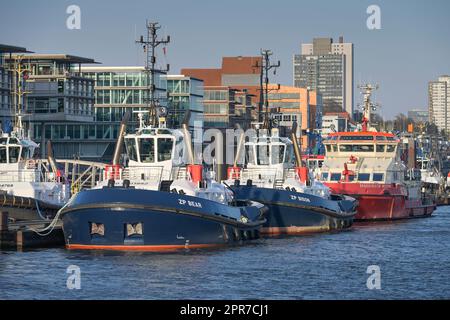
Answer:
(167, 221)
(297, 213)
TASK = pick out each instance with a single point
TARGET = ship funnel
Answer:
(298, 155)
(119, 144)
(302, 171)
(187, 137)
(195, 170)
(239, 146)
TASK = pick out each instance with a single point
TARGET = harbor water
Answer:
(413, 258)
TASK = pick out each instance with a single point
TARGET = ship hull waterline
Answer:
(376, 203)
(167, 222)
(293, 213)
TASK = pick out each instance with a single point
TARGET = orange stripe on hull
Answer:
(155, 248)
(274, 231)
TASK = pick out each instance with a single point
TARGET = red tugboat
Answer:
(367, 165)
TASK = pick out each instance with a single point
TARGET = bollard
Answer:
(4, 221)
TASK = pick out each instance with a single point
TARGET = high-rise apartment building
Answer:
(327, 67)
(439, 103)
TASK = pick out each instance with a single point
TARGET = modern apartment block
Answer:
(58, 91)
(289, 105)
(439, 103)
(238, 77)
(240, 73)
(225, 107)
(8, 81)
(59, 101)
(327, 67)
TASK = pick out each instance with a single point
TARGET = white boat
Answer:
(28, 185)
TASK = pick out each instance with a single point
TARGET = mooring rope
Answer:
(50, 227)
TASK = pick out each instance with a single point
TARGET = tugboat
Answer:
(157, 202)
(30, 188)
(297, 204)
(368, 166)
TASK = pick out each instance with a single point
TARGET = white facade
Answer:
(334, 123)
(439, 102)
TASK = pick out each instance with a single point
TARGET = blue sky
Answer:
(412, 48)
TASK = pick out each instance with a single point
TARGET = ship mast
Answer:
(150, 45)
(265, 68)
(367, 106)
(20, 75)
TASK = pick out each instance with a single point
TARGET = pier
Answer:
(22, 235)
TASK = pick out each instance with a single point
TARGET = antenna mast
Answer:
(266, 67)
(20, 75)
(150, 45)
(367, 106)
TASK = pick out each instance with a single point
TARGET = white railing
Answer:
(260, 174)
(144, 173)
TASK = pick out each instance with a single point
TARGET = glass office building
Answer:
(185, 93)
(118, 89)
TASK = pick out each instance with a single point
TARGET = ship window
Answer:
(381, 147)
(390, 148)
(165, 146)
(335, 177)
(249, 154)
(97, 229)
(262, 154)
(133, 229)
(3, 158)
(335, 148)
(328, 148)
(364, 176)
(351, 178)
(130, 144)
(325, 176)
(147, 150)
(14, 154)
(363, 148)
(381, 138)
(356, 138)
(345, 148)
(378, 177)
(277, 154)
